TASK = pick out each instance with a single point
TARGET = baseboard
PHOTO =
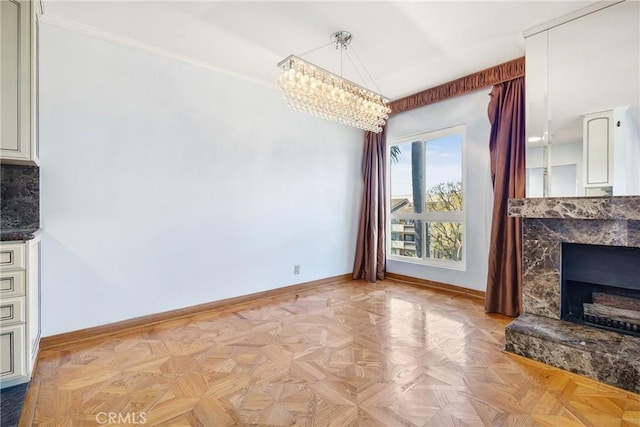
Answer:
(59, 340)
(436, 285)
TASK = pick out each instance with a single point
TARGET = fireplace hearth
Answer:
(581, 286)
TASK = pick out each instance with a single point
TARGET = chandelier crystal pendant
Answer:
(315, 90)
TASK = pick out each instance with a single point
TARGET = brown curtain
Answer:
(369, 262)
(507, 146)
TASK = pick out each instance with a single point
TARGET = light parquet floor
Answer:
(348, 354)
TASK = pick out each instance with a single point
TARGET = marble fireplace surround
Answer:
(538, 333)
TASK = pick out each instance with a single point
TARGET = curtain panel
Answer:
(507, 147)
(369, 263)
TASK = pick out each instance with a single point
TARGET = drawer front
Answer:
(12, 311)
(11, 256)
(12, 361)
(12, 284)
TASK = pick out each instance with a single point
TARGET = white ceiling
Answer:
(405, 46)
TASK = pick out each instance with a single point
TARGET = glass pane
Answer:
(407, 177)
(443, 174)
(535, 182)
(563, 181)
(405, 240)
(444, 241)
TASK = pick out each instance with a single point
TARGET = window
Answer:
(426, 198)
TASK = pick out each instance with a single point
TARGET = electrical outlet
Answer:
(296, 269)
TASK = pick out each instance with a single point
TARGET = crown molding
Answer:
(94, 32)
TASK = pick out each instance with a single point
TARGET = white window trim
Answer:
(431, 216)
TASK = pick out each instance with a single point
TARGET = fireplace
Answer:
(601, 287)
(581, 274)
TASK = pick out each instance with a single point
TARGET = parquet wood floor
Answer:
(348, 354)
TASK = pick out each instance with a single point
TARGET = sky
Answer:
(444, 163)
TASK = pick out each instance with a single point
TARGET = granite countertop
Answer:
(8, 234)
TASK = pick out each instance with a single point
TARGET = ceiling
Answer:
(405, 46)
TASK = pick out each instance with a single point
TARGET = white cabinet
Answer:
(18, 140)
(598, 149)
(611, 152)
(19, 310)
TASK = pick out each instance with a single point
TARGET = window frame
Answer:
(452, 216)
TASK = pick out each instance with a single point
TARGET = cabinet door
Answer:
(12, 360)
(598, 149)
(15, 80)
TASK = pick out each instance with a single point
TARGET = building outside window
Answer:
(426, 216)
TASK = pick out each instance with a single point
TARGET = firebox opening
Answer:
(601, 286)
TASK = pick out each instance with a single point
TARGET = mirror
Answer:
(583, 105)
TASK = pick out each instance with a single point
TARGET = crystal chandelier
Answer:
(315, 90)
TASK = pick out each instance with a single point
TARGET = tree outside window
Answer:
(426, 206)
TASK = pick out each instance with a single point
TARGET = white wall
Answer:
(166, 185)
(470, 110)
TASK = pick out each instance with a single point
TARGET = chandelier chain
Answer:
(300, 55)
(375, 85)
(364, 83)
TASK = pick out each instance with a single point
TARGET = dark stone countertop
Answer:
(19, 197)
(9, 234)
